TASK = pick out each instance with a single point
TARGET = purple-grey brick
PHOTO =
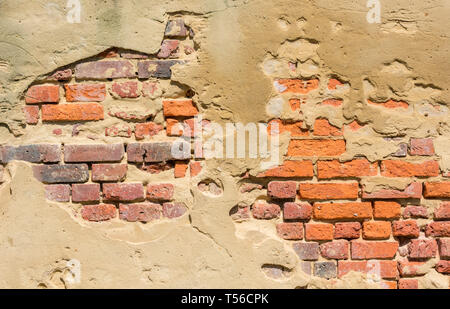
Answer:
(68, 173)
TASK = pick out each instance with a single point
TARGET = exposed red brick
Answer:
(297, 211)
(308, 251)
(57, 131)
(414, 190)
(443, 212)
(422, 248)
(444, 248)
(109, 172)
(316, 147)
(396, 168)
(343, 211)
(179, 108)
(438, 229)
(290, 169)
(85, 92)
(61, 75)
(143, 212)
(125, 90)
(443, 267)
(421, 147)
(278, 126)
(411, 269)
(147, 129)
(36, 153)
(295, 104)
(337, 250)
(319, 231)
(436, 189)
(332, 102)
(31, 114)
(72, 112)
(86, 192)
(195, 168)
(376, 229)
(290, 231)
(296, 85)
(42, 94)
(261, 210)
(151, 89)
(323, 128)
(105, 70)
(390, 104)
(168, 49)
(174, 210)
(57, 193)
(408, 284)
(386, 210)
(354, 168)
(282, 189)
(101, 212)
(122, 130)
(56, 173)
(124, 192)
(415, 212)
(383, 269)
(93, 153)
(333, 83)
(364, 250)
(347, 230)
(407, 228)
(180, 169)
(156, 152)
(328, 191)
(160, 192)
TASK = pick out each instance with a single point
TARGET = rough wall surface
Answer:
(91, 112)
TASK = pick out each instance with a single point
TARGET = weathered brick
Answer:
(180, 169)
(152, 89)
(169, 49)
(323, 128)
(290, 231)
(173, 210)
(325, 270)
(347, 230)
(438, 229)
(407, 228)
(282, 189)
(89, 192)
(31, 114)
(308, 251)
(337, 250)
(68, 173)
(109, 172)
(354, 168)
(296, 85)
(290, 169)
(85, 92)
(39, 153)
(390, 104)
(444, 248)
(176, 28)
(328, 191)
(343, 211)
(101, 212)
(412, 269)
(316, 147)
(278, 126)
(437, 189)
(402, 151)
(332, 102)
(143, 212)
(125, 90)
(334, 83)
(382, 269)
(376, 230)
(179, 108)
(156, 68)
(57, 193)
(119, 130)
(443, 212)
(160, 192)
(386, 210)
(397, 168)
(124, 192)
(261, 210)
(105, 69)
(42, 94)
(319, 231)
(61, 75)
(297, 211)
(421, 147)
(413, 190)
(364, 250)
(415, 212)
(408, 284)
(195, 168)
(157, 152)
(93, 153)
(147, 129)
(72, 112)
(422, 248)
(443, 267)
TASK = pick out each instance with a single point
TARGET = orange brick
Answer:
(85, 92)
(296, 85)
(147, 129)
(376, 230)
(328, 191)
(42, 94)
(316, 147)
(342, 211)
(195, 168)
(406, 228)
(365, 250)
(323, 128)
(391, 104)
(72, 112)
(385, 269)
(397, 168)
(333, 83)
(437, 189)
(354, 168)
(294, 128)
(332, 102)
(354, 126)
(180, 169)
(318, 231)
(179, 108)
(408, 284)
(386, 210)
(290, 169)
(174, 127)
(391, 285)
(295, 104)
